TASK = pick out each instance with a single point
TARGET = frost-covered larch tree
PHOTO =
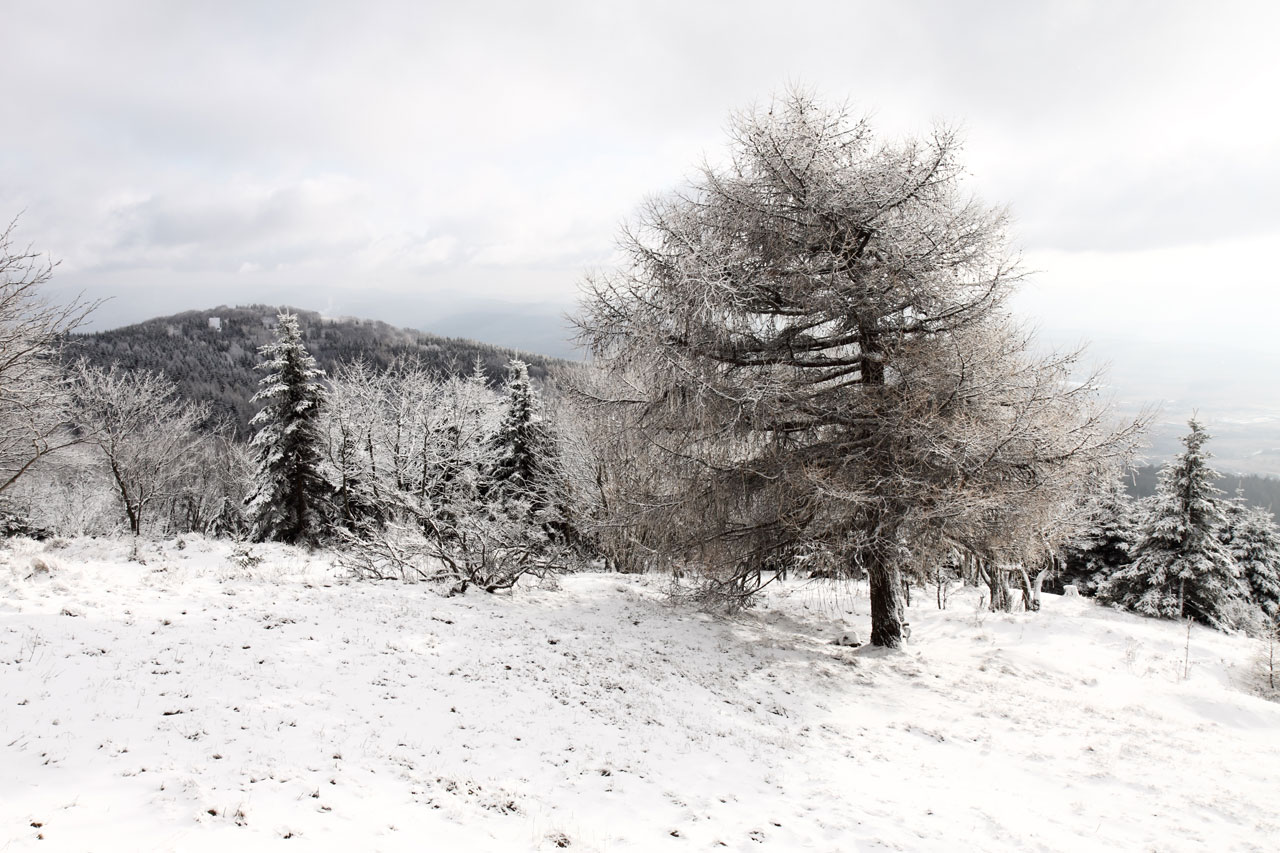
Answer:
(289, 501)
(809, 350)
(1251, 536)
(1180, 567)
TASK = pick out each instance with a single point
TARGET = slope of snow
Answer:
(185, 702)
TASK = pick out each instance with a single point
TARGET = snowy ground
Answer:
(187, 703)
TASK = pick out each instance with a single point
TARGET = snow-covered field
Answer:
(189, 703)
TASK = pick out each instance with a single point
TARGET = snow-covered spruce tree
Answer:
(1180, 567)
(290, 497)
(1103, 543)
(519, 440)
(1251, 537)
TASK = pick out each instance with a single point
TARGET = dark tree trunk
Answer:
(998, 584)
(886, 602)
(132, 509)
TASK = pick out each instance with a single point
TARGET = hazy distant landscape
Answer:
(1232, 390)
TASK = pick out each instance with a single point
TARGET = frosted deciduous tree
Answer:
(33, 401)
(462, 433)
(405, 441)
(1180, 567)
(290, 497)
(211, 496)
(355, 421)
(811, 350)
(144, 434)
(496, 502)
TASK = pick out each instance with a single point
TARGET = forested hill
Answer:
(217, 365)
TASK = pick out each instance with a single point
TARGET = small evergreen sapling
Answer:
(289, 501)
(520, 440)
(525, 477)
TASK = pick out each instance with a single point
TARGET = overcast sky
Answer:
(402, 160)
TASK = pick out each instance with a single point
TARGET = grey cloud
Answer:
(493, 148)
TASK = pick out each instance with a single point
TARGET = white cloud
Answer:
(1225, 292)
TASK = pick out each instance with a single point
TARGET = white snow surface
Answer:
(183, 702)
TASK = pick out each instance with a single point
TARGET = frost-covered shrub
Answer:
(443, 481)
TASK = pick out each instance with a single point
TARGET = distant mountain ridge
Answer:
(211, 354)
